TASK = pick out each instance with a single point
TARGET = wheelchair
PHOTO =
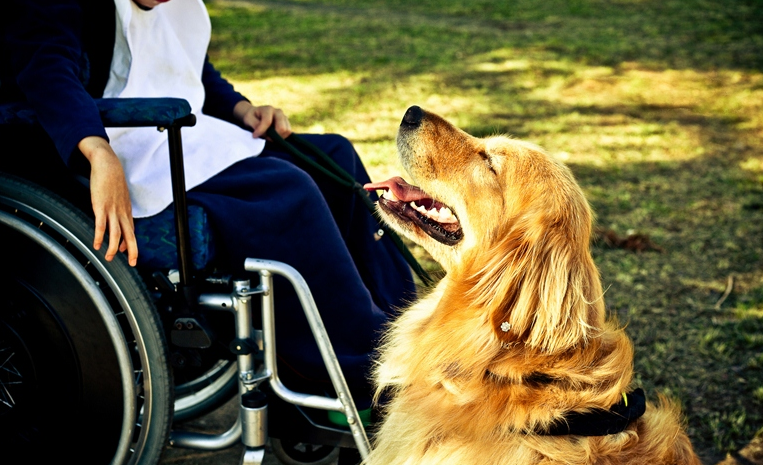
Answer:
(97, 359)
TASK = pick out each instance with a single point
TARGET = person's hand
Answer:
(259, 119)
(110, 198)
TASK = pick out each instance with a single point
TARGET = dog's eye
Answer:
(488, 161)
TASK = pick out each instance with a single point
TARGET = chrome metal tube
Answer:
(202, 441)
(269, 340)
(254, 417)
(216, 301)
(242, 305)
(344, 403)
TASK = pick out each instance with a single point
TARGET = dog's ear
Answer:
(539, 282)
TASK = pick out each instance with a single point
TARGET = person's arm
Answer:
(43, 38)
(110, 198)
(222, 101)
(220, 96)
(44, 43)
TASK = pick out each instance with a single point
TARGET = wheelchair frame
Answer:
(251, 426)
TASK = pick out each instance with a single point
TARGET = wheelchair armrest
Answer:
(121, 112)
(137, 112)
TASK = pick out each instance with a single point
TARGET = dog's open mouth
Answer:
(410, 203)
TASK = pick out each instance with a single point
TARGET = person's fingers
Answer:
(265, 115)
(115, 234)
(131, 245)
(283, 127)
(100, 231)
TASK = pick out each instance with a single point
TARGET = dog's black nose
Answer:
(412, 117)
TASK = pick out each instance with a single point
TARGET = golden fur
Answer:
(463, 391)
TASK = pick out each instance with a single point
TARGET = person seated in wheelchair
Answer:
(60, 54)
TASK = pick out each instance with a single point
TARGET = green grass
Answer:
(657, 106)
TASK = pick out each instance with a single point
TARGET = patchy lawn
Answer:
(657, 106)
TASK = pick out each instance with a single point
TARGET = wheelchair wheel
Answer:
(85, 373)
(204, 390)
(299, 453)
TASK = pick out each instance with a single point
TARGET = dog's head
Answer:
(506, 220)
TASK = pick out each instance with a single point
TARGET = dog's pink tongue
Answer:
(402, 190)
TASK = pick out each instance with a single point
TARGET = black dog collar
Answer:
(601, 422)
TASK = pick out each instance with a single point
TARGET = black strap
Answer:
(325, 165)
(601, 422)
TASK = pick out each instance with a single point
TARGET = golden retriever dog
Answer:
(509, 359)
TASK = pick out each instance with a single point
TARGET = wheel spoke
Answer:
(7, 397)
(12, 377)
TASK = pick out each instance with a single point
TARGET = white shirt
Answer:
(160, 53)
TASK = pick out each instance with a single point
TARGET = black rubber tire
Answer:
(89, 376)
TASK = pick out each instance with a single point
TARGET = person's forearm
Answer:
(220, 97)
(240, 110)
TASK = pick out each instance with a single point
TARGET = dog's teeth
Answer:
(441, 215)
(446, 216)
(388, 194)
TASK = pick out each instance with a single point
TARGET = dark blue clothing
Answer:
(263, 207)
(266, 207)
(49, 59)
(44, 62)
